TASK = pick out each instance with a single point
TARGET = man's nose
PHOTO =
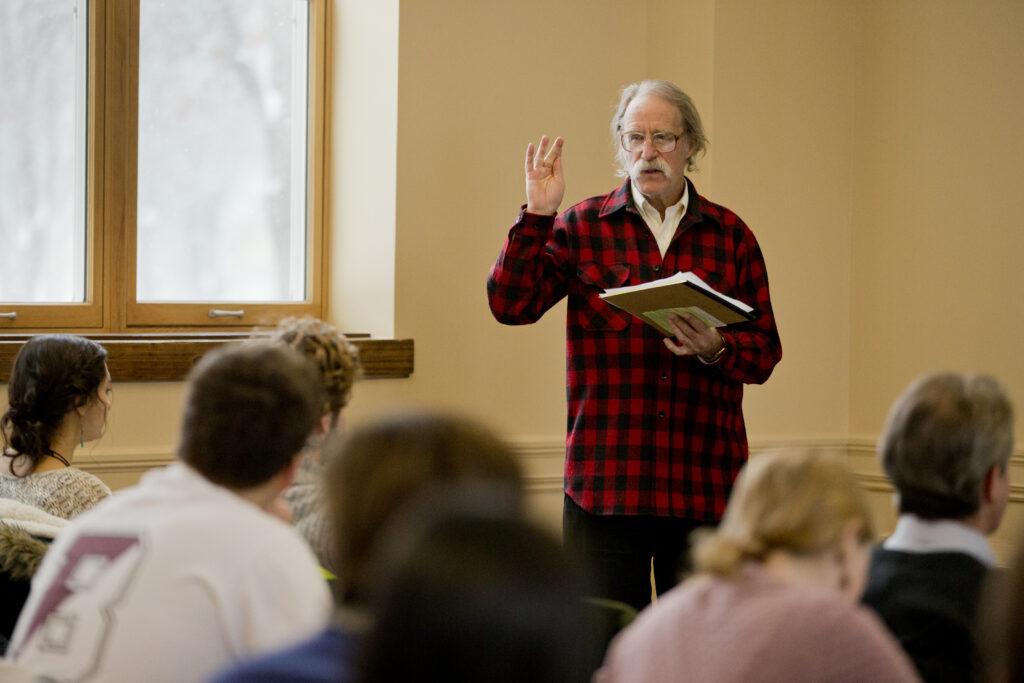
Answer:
(649, 150)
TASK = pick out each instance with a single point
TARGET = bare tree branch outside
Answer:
(221, 165)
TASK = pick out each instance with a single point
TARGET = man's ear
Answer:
(850, 558)
(324, 425)
(988, 485)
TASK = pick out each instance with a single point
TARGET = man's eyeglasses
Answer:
(663, 140)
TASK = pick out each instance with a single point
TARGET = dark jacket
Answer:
(929, 601)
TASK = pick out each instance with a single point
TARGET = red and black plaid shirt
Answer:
(649, 432)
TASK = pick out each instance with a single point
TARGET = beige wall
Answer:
(938, 207)
(783, 112)
(937, 173)
(869, 144)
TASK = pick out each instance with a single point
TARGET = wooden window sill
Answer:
(169, 356)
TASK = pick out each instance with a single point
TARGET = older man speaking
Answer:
(655, 425)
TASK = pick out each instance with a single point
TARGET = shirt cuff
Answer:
(534, 220)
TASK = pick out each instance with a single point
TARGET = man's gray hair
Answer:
(693, 129)
(941, 438)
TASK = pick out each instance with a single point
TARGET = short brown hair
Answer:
(248, 411)
(942, 436)
(381, 466)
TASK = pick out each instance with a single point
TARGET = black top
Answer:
(929, 602)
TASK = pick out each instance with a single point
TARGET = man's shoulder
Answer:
(204, 521)
(600, 205)
(940, 582)
(717, 213)
(886, 561)
(898, 574)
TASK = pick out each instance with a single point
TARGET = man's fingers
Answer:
(682, 330)
(542, 149)
(690, 324)
(676, 347)
(542, 156)
(695, 323)
(556, 151)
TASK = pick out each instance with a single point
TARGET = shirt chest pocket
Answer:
(586, 307)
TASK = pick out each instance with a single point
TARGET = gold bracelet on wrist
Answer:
(715, 358)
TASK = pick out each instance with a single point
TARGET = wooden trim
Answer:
(174, 315)
(122, 168)
(318, 130)
(324, 16)
(51, 316)
(169, 357)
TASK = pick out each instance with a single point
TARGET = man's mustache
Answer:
(657, 164)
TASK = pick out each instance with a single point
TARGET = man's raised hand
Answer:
(545, 185)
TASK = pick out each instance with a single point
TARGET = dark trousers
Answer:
(618, 550)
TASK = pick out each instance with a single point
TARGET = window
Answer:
(164, 163)
(42, 218)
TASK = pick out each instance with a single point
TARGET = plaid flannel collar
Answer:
(696, 211)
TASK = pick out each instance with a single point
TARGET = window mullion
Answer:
(120, 153)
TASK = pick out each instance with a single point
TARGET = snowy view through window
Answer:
(221, 150)
(41, 170)
(222, 95)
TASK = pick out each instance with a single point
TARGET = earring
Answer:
(81, 429)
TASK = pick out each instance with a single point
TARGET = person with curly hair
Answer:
(337, 361)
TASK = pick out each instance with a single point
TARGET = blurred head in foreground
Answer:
(381, 466)
(474, 595)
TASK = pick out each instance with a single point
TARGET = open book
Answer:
(680, 293)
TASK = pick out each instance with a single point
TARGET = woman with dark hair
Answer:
(58, 398)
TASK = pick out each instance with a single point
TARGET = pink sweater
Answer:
(753, 627)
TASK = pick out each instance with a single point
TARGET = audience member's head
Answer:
(946, 447)
(56, 380)
(335, 357)
(248, 411)
(389, 462)
(802, 505)
(474, 596)
(778, 589)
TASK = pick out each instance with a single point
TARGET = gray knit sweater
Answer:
(62, 493)
(307, 497)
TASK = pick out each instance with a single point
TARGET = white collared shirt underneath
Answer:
(916, 535)
(662, 228)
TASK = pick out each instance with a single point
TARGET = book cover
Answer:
(680, 293)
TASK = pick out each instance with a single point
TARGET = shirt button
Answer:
(657, 268)
(664, 375)
(661, 414)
